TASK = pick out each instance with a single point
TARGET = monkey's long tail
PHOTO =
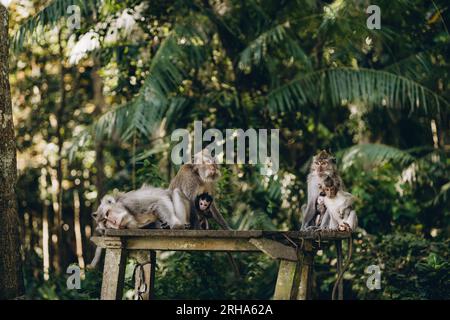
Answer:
(345, 267)
(96, 259)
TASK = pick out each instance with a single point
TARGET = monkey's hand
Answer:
(203, 223)
(344, 227)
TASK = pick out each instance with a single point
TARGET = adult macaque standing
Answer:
(322, 166)
(194, 180)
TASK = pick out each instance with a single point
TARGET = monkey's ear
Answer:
(94, 214)
(108, 199)
(333, 159)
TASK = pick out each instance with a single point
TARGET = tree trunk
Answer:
(60, 250)
(11, 280)
(99, 101)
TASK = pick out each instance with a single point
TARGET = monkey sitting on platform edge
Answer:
(339, 204)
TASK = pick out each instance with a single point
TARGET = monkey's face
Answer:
(323, 165)
(208, 172)
(206, 167)
(203, 201)
(330, 192)
(116, 217)
(203, 204)
(100, 221)
(111, 215)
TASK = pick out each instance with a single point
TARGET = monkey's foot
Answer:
(164, 225)
(312, 228)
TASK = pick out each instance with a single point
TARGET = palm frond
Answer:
(159, 96)
(443, 196)
(46, 18)
(413, 66)
(292, 96)
(343, 84)
(256, 51)
(79, 141)
(372, 153)
(428, 166)
(155, 149)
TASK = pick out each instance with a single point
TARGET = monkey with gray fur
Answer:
(139, 208)
(340, 216)
(323, 165)
(339, 205)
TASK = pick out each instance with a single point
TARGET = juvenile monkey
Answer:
(323, 165)
(339, 204)
(202, 205)
(196, 179)
(203, 201)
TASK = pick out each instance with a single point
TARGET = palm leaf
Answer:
(443, 196)
(302, 91)
(373, 87)
(413, 66)
(374, 154)
(183, 49)
(277, 36)
(47, 18)
(79, 141)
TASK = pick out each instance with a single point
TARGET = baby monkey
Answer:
(339, 205)
(203, 201)
(202, 204)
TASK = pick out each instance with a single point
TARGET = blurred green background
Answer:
(95, 106)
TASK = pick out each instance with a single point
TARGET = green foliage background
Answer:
(101, 122)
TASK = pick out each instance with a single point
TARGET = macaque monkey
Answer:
(139, 208)
(196, 179)
(202, 204)
(323, 165)
(339, 204)
(203, 201)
